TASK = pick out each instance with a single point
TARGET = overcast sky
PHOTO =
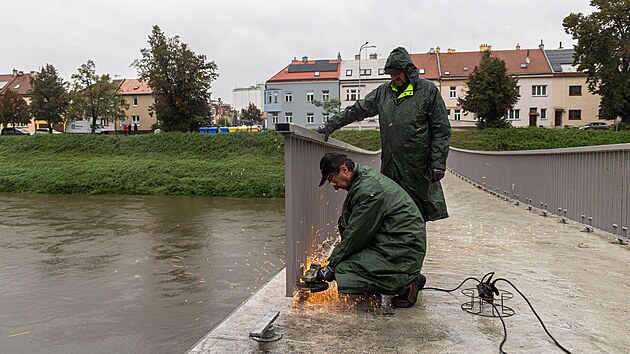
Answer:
(252, 40)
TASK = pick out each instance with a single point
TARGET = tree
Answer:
(332, 106)
(13, 109)
(603, 51)
(49, 96)
(95, 97)
(180, 80)
(491, 92)
(251, 113)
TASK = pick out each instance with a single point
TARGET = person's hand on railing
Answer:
(435, 174)
(324, 130)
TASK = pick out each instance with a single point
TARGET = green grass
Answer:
(513, 139)
(249, 165)
(234, 165)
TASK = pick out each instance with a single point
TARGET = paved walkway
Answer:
(579, 283)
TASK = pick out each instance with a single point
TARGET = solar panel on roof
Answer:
(319, 65)
(3, 84)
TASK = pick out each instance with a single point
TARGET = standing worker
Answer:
(415, 132)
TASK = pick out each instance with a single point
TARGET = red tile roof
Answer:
(428, 62)
(286, 74)
(134, 87)
(515, 60)
(19, 83)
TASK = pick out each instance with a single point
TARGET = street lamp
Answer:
(365, 45)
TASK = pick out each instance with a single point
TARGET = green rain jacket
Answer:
(383, 245)
(415, 134)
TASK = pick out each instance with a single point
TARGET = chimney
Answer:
(541, 45)
(437, 49)
(304, 59)
(560, 47)
(484, 47)
(357, 57)
(373, 56)
(450, 50)
(518, 46)
(15, 72)
(338, 56)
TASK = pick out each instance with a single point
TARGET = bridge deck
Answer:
(578, 283)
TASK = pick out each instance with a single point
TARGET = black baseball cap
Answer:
(329, 164)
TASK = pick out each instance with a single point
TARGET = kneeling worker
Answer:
(383, 238)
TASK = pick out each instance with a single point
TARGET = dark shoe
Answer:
(410, 296)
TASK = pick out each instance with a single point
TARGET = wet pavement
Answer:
(577, 282)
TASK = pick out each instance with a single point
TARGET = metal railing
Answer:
(311, 212)
(590, 185)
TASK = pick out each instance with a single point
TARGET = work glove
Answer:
(435, 174)
(326, 274)
(324, 130)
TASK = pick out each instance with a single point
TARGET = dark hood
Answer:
(400, 58)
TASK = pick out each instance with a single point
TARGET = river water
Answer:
(129, 274)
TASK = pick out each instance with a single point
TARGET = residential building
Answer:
(528, 65)
(572, 104)
(219, 109)
(243, 96)
(20, 83)
(290, 93)
(138, 95)
(372, 75)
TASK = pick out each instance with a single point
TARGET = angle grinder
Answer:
(309, 281)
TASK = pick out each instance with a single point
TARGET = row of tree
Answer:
(179, 78)
(53, 100)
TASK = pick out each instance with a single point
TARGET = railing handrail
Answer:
(317, 138)
(580, 149)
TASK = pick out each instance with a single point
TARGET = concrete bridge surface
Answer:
(579, 283)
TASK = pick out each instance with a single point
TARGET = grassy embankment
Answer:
(232, 165)
(249, 165)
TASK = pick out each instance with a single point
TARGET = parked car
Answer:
(14, 131)
(45, 131)
(595, 126)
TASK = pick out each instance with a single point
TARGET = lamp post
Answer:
(363, 46)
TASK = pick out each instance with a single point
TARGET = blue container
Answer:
(223, 129)
(213, 130)
(204, 130)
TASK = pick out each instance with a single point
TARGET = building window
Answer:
(288, 117)
(135, 119)
(310, 118)
(316, 73)
(310, 97)
(513, 114)
(575, 90)
(351, 95)
(381, 71)
(458, 114)
(104, 122)
(349, 72)
(288, 97)
(452, 92)
(274, 118)
(518, 90)
(448, 113)
(325, 95)
(325, 117)
(366, 72)
(539, 90)
(575, 114)
(122, 122)
(269, 97)
(275, 97)
(543, 113)
(134, 101)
